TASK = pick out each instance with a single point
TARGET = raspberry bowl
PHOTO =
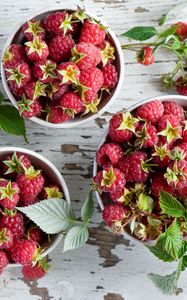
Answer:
(53, 178)
(136, 169)
(62, 91)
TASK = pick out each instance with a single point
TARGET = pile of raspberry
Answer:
(21, 240)
(145, 153)
(64, 67)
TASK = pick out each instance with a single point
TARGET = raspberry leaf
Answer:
(145, 203)
(171, 206)
(160, 253)
(141, 33)
(166, 284)
(88, 208)
(76, 237)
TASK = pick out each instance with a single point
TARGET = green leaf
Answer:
(171, 206)
(52, 215)
(141, 33)
(173, 13)
(160, 253)
(11, 122)
(166, 284)
(169, 31)
(1, 97)
(153, 222)
(76, 237)
(88, 208)
(145, 203)
(183, 265)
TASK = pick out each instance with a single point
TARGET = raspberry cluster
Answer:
(145, 153)
(64, 67)
(20, 239)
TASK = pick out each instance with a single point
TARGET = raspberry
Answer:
(14, 221)
(60, 48)
(18, 75)
(184, 133)
(68, 73)
(3, 261)
(35, 89)
(181, 86)
(37, 271)
(161, 155)
(170, 128)
(145, 56)
(45, 71)
(159, 184)
(71, 103)
(13, 55)
(17, 91)
(110, 76)
(30, 185)
(86, 55)
(33, 28)
(174, 109)
(115, 214)
(146, 136)
(36, 49)
(135, 167)
(180, 152)
(57, 115)
(35, 234)
(181, 30)
(176, 174)
(29, 108)
(6, 238)
(23, 251)
(9, 194)
(110, 179)
(51, 191)
(92, 33)
(151, 111)
(107, 52)
(122, 127)
(109, 153)
(121, 197)
(15, 163)
(55, 90)
(59, 23)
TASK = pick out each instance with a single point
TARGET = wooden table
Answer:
(107, 267)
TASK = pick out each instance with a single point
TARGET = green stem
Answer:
(138, 45)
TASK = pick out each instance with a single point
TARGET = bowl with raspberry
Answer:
(140, 170)
(62, 68)
(26, 178)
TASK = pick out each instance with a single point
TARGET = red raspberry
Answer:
(176, 174)
(35, 234)
(110, 180)
(115, 214)
(68, 73)
(181, 86)
(59, 23)
(45, 71)
(174, 109)
(35, 272)
(19, 75)
(122, 127)
(55, 90)
(184, 133)
(15, 163)
(35, 89)
(71, 103)
(181, 30)
(51, 191)
(6, 238)
(9, 194)
(60, 48)
(145, 56)
(24, 251)
(92, 33)
(146, 136)
(159, 184)
(151, 111)
(161, 155)
(30, 185)
(57, 115)
(107, 52)
(121, 197)
(33, 28)
(13, 55)
(29, 108)
(182, 192)
(109, 153)
(17, 91)
(86, 55)
(3, 261)
(91, 81)
(170, 128)
(36, 49)
(110, 76)
(14, 221)
(180, 152)
(135, 167)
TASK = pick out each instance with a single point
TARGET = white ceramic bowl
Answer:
(44, 164)
(182, 100)
(16, 37)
